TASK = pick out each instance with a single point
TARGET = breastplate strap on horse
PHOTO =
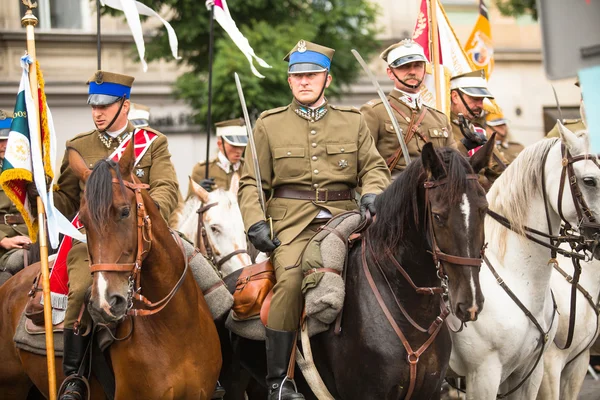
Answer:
(436, 325)
(144, 235)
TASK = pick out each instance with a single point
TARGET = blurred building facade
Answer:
(66, 47)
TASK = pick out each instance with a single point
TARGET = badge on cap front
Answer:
(99, 78)
(301, 46)
(2, 115)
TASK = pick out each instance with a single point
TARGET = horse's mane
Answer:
(398, 207)
(511, 194)
(99, 192)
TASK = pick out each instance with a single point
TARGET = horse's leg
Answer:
(531, 386)
(573, 376)
(550, 385)
(483, 382)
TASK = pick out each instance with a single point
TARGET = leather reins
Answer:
(204, 244)
(144, 244)
(435, 327)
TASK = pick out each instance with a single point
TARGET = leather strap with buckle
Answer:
(317, 195)
(13, 219)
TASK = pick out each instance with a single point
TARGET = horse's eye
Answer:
(437, 218)
(591, 182)
(125, 212)
(214, 229)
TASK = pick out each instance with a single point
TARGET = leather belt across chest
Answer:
(318, 195)
(11, 219)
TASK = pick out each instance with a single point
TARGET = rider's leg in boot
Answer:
(74, 353)
(279, 350)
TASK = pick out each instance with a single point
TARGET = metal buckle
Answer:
(317, 190)
(5, 221)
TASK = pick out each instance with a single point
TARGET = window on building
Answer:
(59, 14)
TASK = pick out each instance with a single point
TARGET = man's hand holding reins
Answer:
(260, 236)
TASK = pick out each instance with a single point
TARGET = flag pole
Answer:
(98, 35)
(29, 21)
(210, 4)
(435, 58)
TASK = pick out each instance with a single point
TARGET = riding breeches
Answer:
(286, 304)
(80, 279)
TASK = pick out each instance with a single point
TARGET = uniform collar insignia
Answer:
(412, 100)
(108, 140)
(310, 114)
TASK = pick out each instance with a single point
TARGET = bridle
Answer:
(435, 327)
(143, 306)
(204, 244)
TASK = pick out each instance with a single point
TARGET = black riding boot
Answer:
(74, 353)
(279, 350)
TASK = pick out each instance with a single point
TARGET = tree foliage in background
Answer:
(272, 27)
(516, 8)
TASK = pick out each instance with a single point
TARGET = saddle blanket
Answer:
(32, 338)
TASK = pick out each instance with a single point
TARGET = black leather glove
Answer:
(208, 184)
(367, 202)
(473, 138)
(260, 236)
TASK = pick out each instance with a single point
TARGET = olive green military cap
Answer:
(472, 83)
(309, 57)
(108, 87)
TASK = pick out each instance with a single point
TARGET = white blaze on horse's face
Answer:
(586, 172)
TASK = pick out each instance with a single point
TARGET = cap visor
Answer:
(477, 92)
(497, 122)
(408, 59)
(102, 99)
(236, 140)
(304, 68)
(138, 123)
(4, 132)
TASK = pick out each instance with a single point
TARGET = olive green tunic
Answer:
(7, 207)
(574, 125)
(330, 148)
(433, 127)
(155, 168)
(222, 178)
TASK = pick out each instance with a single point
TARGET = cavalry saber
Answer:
(386, 104)
(257, 176)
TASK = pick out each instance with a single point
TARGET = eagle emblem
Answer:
(301, 46)
(99, 79)
(2, 115)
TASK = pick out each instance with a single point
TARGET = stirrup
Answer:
(219, 393)
(69, 379)
(281, 385)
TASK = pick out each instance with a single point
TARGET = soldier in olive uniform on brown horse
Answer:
(109, 100)
(13, 231)
(311, 156)
(420, 124)
(231, 141)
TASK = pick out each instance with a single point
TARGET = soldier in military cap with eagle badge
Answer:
(311, 156)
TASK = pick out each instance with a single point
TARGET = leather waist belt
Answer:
(11, 219)
(317, 195)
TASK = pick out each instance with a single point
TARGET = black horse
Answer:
(431, 216)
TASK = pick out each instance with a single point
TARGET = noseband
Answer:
(204, 244)
(144, 244)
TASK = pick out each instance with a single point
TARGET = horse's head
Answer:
(437, 205)
(111, 209)
(223, 236)
(573, 183)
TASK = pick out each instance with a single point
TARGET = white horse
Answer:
(565, 370)
(497, 352)
(223, 225)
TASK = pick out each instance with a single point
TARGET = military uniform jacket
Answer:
(333, 152)
(574, 125)
(155, 168)
(222, 178)
(434, 127)
(509, 150)
(7, 207)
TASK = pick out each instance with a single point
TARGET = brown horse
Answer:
(171, 348)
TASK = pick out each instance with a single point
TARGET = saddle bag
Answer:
(252, 287)
(35, 309)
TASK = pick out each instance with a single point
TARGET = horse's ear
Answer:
(127, 160)
(432, 163)
(199, 191)
(235, 184)
(481, 158)
(573, 141)
(78, 165)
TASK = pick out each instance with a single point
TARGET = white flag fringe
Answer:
(132, 10)
(222, 16)
(57, 223)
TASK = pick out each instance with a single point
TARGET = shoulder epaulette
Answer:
(373, 103)
(147, 128)
(273, 111)
(82, 135)
(433, 109)
(346, 108)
